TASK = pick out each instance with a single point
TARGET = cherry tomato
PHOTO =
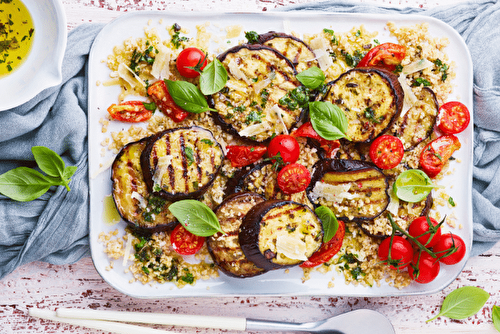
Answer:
(185, 242)
(293, 178)
(424, 268)
(306, 130)
(401, 252)
(386, 55)
(421, 229)
(287, 146)
(386, 151)
(130, 111)
(159, 93)
(454, 117)
(436, 154)
(191, 57)
(450, 248)
(328, 250)
(244, 155)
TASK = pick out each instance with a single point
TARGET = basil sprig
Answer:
(187, 96)
(196, 217)
(329, 222)
(328, 120)
(463, 303)
(213, 78)
(413, 185)
(495, 317)
(25, 184)
(312, 78)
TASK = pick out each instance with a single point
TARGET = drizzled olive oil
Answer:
(16, 35)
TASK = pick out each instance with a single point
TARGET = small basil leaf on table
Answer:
(328, 120)
(24, 184)
(213, 78)
(330, 222)
(413, 186)
(187, 96)
(463, 303)
(196, 217)
(312, 78)
(52, 164)
(495, 316)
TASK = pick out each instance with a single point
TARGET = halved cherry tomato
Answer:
(185, 242)
(159, 93)
(241, 156)
(401, 252)
(454, 117)
(424, 268)
(386, 151)
(306, 130)
(450, 248)
(293, 178)
(287, 146)
(436, 154)
(421, 229)
(386, 55)
(130, 111)
(328, 250)
(191, 57)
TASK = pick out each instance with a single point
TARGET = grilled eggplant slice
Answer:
(181, 163)
(353, 190)
(248, 106)
(278, 234)
(417, 123)
(143, 211)
(299, 53)
(225, 248)
(371, 98)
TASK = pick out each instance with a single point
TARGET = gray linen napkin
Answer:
(54, 228)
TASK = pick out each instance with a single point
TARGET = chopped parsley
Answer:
(253, 117)
(352, 60)
(451, 201)
(443, 68)
(154, 207)
(189, 155)
(252, 37)
(176, 39)
(421, 82)
(207, 141)
(370, 115)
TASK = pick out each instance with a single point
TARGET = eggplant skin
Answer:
(371, 98)
(354, 190)
(181, 163)
(225, 249)
(140, 209)
(280, 234)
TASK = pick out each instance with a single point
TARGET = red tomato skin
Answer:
(191, 57)
(444, 243)
(130, 111)
(241, 156)
(386, 55)
(386, 151)
(328, 250)
(184, 242)
(435, 155)
(158, 91)
(306, 130)
(293, 178)
(454, 117)
(419, 226)
(427, 268)
(287, 146)
(401, 250)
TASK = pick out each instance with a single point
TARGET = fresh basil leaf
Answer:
(328, 120)
(312, 78)
(24, 184)
(187, 96)
(413, 186)
(149, 106)
(330, 222)
(213, 78)
(48, 161)
(463, 303)
(495, 316)
(68, 172)
(196, 217)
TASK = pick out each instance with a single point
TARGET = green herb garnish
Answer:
(196, 217)
(328, 120)
(463, 303)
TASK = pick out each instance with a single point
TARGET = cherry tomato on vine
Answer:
(130, 111)
(328, 250)
(451, 248)
(158, 91)
(386, 55)
(293, 178)
(386, 151)
(435, 155)
(190, 62)
(421, 229)
(185, 242)
(424, 268)
(241, 156)
(401, 252)
(287, 146)
(306, 130)
(454, 117)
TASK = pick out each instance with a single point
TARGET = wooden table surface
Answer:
(79, 285)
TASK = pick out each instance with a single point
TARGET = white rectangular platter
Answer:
(279, 282)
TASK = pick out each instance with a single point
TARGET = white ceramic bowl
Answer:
(42, 68)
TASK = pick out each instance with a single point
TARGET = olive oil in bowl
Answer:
(16, 35)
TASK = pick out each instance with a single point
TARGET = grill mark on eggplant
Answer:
(288, 212)
(184, 161)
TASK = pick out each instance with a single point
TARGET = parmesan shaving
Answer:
(260, 85)
(255, 129)
(142, 202)
(104, 167)
(319, 46)
(129, 76)
(416, 66)
(277, 111)
(409, 97)
(237, 72)
(291, 247)
(332, 193)
(128, 248)
(161, 169)
(161, 65)
(393, 206)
